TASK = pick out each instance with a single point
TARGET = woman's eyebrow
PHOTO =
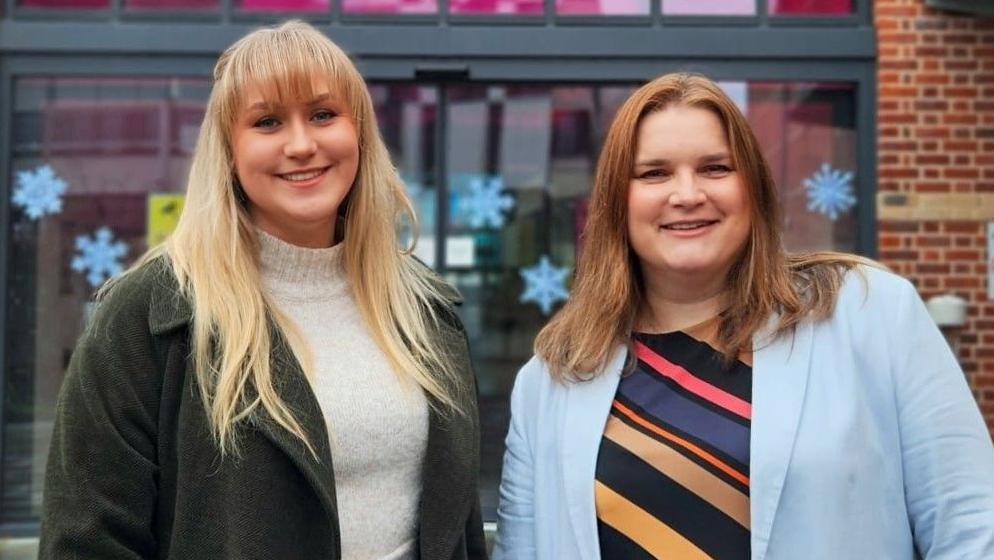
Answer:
(652, 162)
(715, 157)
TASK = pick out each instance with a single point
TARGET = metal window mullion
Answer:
(866, 161)
(762, 12)
(6, 118)
(550, 12)
(441, 174)
(443, 19)
(8, 9)
(864, 10)
(116, 9)
(655, 12)
(226, 10)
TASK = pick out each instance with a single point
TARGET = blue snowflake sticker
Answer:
(99, 256)
(544, 284)
(39, 192)
(485, 202)
(830, 191)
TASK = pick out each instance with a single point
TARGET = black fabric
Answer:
(133, 471)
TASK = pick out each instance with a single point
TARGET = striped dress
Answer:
(672, 477)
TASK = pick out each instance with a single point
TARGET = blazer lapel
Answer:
(587, 406)
(780, 379)
(451, 464)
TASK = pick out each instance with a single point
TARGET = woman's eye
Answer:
(265, 122)
(323, 115)
(654, 174)
(717, 170)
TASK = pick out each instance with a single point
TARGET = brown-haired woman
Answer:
(703, 394)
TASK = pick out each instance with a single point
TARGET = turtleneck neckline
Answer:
(295, 272)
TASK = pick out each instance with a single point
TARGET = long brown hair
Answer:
(608, 289)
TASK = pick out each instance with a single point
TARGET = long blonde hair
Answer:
(214, 249)
(608, 289)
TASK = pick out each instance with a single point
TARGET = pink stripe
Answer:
(693, 384)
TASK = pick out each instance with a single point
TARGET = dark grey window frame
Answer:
(471, 49)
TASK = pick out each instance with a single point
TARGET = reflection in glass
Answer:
(506, 7)
(171, 4)
(390, 6)
(802, 127)
(407, 117)
(76, 4)
(283, 5)
(603, 7)
(811, 7)
(709, 7)
(115, 143)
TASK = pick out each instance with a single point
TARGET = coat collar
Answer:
(780, 381)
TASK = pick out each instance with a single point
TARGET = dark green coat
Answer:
(134, 473)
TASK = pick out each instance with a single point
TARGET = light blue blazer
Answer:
(866, 443)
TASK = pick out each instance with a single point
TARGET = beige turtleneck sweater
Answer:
(377, 422)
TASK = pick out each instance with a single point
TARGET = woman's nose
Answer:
(300, 143)
(687, 190)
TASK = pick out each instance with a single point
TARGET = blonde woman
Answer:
(280, 379)
(705, 395)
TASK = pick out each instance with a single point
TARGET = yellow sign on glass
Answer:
(163, 213)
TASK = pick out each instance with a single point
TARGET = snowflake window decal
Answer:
(98, 256)
(830, 191)
(485, 202)
(39, 192)
(544, 284)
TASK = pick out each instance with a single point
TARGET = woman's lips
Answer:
(305, 178)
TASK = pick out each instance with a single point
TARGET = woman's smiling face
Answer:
(688, 210)
(296, 162)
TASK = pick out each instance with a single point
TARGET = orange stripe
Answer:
(681, 469)
(682, 442)
(649, 533)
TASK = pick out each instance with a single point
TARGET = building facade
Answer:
(494, 111)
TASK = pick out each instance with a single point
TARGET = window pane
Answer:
(709, 7)
(406, 115)
(119, 146)
(518, 7)
(808, 134)
(390, 6)
(283, 5)
(171, 4)
(521, 160)
(603, 7)
(77, 4)
(811, 7)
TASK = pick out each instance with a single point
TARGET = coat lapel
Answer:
(587, 406)
(780, 380)
(295, 390)
(452, 461)
(169, 310)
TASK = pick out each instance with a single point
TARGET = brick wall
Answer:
(936, 164)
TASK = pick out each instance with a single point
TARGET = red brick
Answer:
(961, 173)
